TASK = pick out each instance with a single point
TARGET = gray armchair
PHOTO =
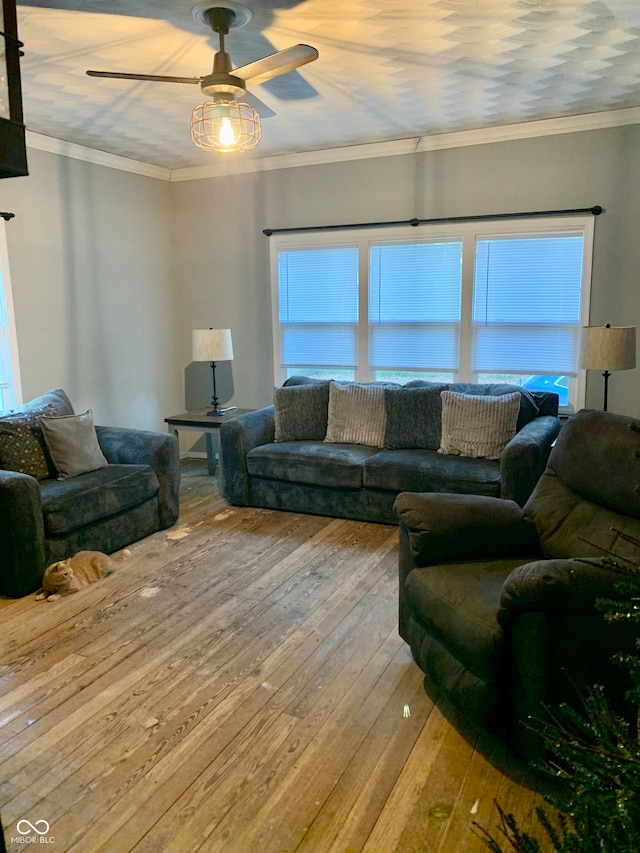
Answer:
(44, 520)
(498, 603)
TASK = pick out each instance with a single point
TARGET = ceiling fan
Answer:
(226, 123)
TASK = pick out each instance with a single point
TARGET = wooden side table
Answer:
(200, 421)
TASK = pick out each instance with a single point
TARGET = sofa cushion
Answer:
(459, 604)
(79, 501)
(73, 444)
(315, 462)
(478, 425)
(428, 471)
(414, 417)
(356, 414)
(570, 526)
(301, 412)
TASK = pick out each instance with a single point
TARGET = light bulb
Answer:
(227, 134)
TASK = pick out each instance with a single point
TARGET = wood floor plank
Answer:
(397, 819)
(304, 732)
(237, 684)
(347, 816)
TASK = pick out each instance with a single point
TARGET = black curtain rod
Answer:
(6, 216)
(483, 217)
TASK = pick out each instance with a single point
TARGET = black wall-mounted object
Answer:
(13, 149)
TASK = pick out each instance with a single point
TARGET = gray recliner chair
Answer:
(44, 519)
(498, 603)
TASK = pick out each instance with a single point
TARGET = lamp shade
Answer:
(212, 345)
(608, 347)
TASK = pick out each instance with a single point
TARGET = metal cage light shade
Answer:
(225, 126)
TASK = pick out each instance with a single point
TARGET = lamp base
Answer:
(217, 411)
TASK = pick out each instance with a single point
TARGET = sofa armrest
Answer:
(559, 587)
(158, 450)
(237, 437)
(444, 527)
(21, 534)
(525, 457)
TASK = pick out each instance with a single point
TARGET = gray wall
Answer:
(93, 288)
(111, 271)
(223, 257)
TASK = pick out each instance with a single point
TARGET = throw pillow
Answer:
(528, 406)
(22, 445)
(414, 417)
(478, 425)
(73, 444)
(21, 451)
(301, 412)
(356, 414)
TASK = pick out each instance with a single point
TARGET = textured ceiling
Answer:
(388, 69)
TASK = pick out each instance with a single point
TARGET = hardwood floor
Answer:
(237, 685)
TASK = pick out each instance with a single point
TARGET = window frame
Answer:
(469, 233)
(14, 385)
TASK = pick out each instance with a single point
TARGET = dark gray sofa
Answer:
(44, 520)
(361, 482)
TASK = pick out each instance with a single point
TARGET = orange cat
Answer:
(74, 573)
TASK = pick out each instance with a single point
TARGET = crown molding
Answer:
(411, 145)
(92, 155)
(221, 168)
(435, 142)
(531, 129)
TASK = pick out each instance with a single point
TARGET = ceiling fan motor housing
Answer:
(216, 83)
(221, 78)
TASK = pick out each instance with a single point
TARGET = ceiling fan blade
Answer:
(261, 108)
(278, 63)
(115, 75)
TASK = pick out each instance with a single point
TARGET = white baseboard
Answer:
(193, 454)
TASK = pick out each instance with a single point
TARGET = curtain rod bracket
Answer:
(6, 216)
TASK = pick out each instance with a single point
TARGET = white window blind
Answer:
(527, 303)
(452, 299)
(318, 305)
(414, 304)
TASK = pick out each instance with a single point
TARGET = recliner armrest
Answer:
(21, 534)
(559, 587)
(525, 457)
(445, 526)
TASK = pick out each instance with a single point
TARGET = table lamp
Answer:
(213, 345)
(608, 348)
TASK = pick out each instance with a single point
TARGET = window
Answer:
(318, 310)
(10, 393)
(449, 303)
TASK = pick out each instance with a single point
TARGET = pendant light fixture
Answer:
(225, 125)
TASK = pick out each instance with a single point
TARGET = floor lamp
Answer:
(213, 345)
(608, 348)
